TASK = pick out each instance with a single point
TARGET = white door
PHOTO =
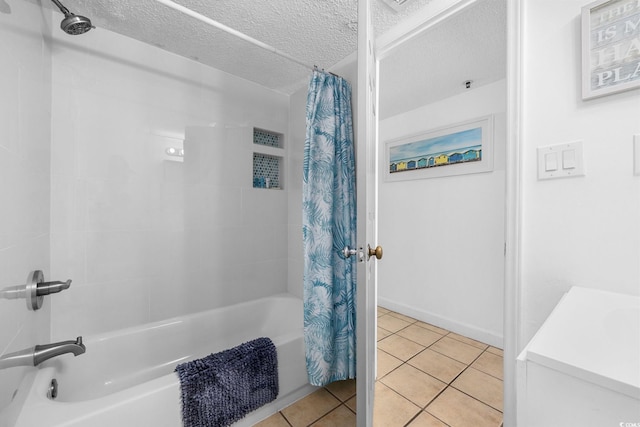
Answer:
(366, 142)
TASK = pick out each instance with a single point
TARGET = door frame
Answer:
(513, 215)
(366, 184)
(433, 14)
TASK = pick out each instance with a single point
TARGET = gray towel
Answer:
(222, 388)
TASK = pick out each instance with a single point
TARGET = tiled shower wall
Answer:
(141, 235)
(235, 235)
(25, 107)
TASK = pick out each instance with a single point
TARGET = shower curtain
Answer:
(328, 225)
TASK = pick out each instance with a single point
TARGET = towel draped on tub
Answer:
(222, 388)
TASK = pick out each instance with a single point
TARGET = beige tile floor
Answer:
(427, 377)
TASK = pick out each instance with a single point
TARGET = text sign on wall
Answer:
(610, 47)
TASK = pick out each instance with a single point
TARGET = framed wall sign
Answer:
(458, 149)
(610, 47)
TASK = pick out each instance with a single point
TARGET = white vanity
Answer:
(582, 368)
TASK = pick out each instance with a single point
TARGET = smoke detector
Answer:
(395, 4)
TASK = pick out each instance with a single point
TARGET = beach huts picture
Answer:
(457, 149)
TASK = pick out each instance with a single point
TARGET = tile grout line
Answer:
(449, 384)
(487, 346)
(491, 375)
(415, 355)
(487, 373)
(424, 410)
(413, 418)
(347, 406)
(338, 397)
(406, 362)
(342, 403)
(319, 419)
(285, 418)
(467, 394)
(322, 416)
(403, 362)
(475, 398)
(460, 361)
(435, 342)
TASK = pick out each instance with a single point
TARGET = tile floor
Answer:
(427, 377)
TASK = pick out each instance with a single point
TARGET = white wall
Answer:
(144, 238)
(25, 108)
(581, 231)
(444, 237)
(235, 237)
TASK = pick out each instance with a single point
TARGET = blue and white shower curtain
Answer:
(328, 225)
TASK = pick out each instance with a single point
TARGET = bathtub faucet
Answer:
(36, 355)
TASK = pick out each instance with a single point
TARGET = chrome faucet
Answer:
(36, 355)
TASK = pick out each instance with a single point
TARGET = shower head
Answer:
(73, 24)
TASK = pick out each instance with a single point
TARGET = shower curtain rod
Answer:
(233, 32)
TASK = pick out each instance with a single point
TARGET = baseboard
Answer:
(471, 331)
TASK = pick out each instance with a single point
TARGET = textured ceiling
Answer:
(317, 32)
(468, 46)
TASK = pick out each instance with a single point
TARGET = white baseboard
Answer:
(471, 331)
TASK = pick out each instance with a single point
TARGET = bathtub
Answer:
(126, 377)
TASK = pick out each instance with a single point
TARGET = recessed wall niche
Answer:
(267, 138)
(267, 164)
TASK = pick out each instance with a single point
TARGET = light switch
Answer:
(561, 160)
(568, 159)
(551, 162)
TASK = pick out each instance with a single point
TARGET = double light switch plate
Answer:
(560, 160)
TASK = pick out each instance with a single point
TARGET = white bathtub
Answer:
(126, 377)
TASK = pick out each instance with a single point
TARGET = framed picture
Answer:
(610, 47)
(458, 149)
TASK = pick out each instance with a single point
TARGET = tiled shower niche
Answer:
(266, 171)
(267, 166)
(264, 137)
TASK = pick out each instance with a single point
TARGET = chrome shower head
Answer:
(73, 24)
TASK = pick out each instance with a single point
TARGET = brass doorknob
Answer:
(377, 252)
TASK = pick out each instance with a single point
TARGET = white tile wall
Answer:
(140, 235)
(88, 196)
(25, 106)
(240, 232)
(297, 130)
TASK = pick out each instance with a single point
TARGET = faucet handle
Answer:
(47, 288)
(36, 288)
